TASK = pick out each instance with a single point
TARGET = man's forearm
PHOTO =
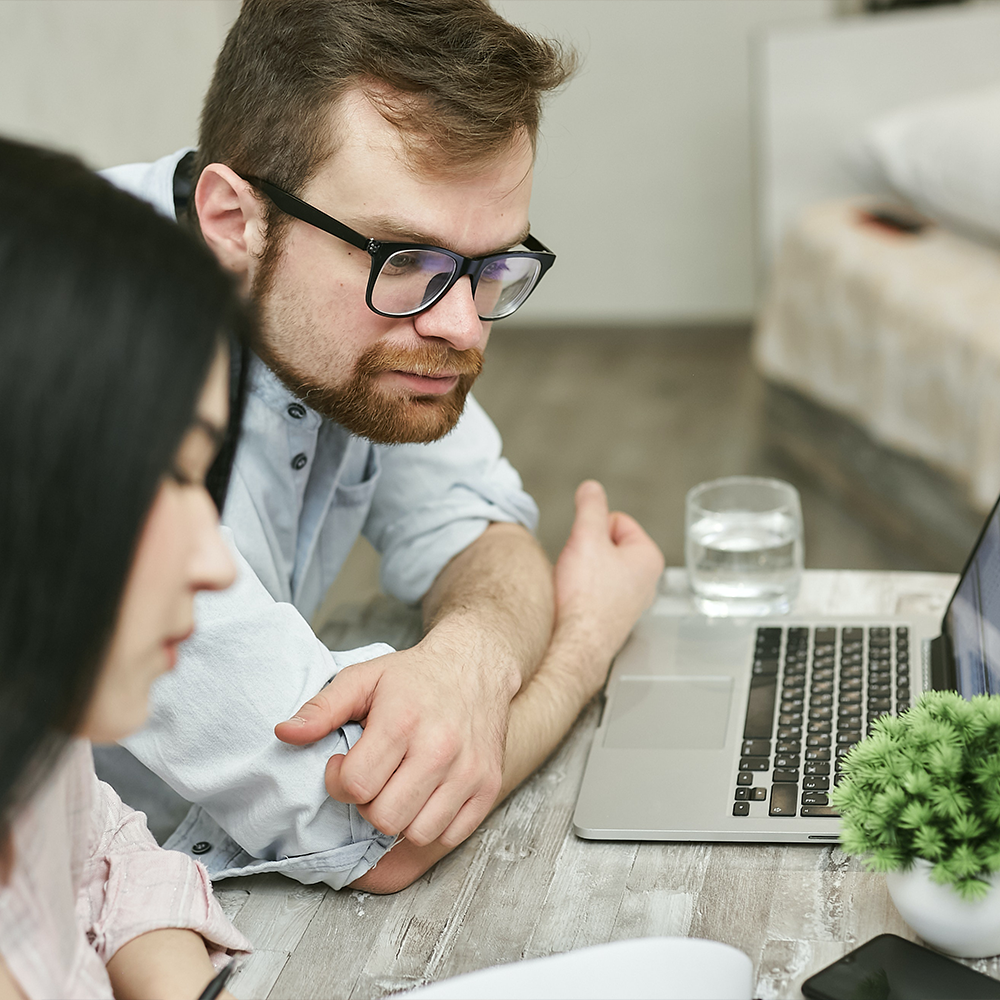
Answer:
(540, 716)
(496, 598)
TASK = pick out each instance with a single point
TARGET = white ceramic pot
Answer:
(942, 918)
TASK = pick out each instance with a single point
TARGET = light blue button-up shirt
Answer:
(302, 490)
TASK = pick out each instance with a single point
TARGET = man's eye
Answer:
(496, 270)
(402, 263)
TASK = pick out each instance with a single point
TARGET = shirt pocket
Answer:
(360, 492)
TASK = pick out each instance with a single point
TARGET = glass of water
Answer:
(743, 544)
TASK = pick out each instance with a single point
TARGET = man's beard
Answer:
(386, 417)
(358, 405)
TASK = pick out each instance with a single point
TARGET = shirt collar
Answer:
(264, 385)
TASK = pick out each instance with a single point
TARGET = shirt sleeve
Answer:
(250, 664)
(152, 182)
(130, 885)
(434, 500)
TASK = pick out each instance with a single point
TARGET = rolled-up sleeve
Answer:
(434, 500)
(130, 885)
(250, 664)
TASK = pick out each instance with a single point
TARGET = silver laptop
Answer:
(733, 729)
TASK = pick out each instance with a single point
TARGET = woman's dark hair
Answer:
(110, 317)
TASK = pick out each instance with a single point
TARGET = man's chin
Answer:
(401, 419)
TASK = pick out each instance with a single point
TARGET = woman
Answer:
(113, 403)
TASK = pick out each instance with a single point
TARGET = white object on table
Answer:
(658, 968)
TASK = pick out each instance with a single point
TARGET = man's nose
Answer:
(453, 318)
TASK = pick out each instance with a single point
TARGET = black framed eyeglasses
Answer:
(407, 278)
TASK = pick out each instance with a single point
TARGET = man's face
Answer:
(391, 380)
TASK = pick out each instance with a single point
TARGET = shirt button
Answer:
(296, 410)
(202, 847)
(299, 461)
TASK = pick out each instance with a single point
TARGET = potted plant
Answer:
(919, 798)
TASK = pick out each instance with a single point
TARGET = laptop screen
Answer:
(972, 621)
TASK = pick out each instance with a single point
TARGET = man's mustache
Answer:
(428, 359)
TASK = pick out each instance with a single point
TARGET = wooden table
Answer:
(523, 885)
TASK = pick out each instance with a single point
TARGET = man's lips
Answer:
(427, 385)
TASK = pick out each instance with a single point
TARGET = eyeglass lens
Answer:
(411, 280)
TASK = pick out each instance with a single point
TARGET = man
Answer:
(364, 169)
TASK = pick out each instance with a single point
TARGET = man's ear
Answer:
(231, 218)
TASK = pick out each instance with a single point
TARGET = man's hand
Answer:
(429, 762)
(419, 765)
(605, 578)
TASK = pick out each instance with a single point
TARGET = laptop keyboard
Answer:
(814, 693)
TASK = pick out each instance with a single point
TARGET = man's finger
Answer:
(626, 530)
(360, 775)
(346, 698)
(466, 821)
(406, 795)
(591, 508)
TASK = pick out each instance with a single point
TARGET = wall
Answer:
(644, 181)
(644, 177)
(115, 81)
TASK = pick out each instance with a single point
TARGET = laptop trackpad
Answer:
(670, 713)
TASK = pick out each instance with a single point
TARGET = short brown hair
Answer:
(459, 81)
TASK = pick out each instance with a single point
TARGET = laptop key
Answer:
(817, 754)
(784, 776)
(742, 794)
(818, 740)
(815, 783)
(744, 778)
(760, 708)
(789, 732)
(756, 748)
(820, 727)
(819, 811)
(816, 767)
(758, 794)
(786, 761)
(788, 746)
(783, 799)
(755, 764)
(814, 798)
(741, 808)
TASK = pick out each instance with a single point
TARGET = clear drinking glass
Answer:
(743, 545)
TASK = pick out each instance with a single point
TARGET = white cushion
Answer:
(944, 157)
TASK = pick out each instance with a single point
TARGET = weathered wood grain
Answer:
(524, 886)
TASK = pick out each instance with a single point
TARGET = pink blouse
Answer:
(87, 878)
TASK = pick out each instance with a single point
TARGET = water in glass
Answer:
(744, 561)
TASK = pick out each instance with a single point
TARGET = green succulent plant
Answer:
(926, 784)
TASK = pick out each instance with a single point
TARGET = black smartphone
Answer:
(891, 968)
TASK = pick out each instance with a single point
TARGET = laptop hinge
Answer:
(943, 664)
